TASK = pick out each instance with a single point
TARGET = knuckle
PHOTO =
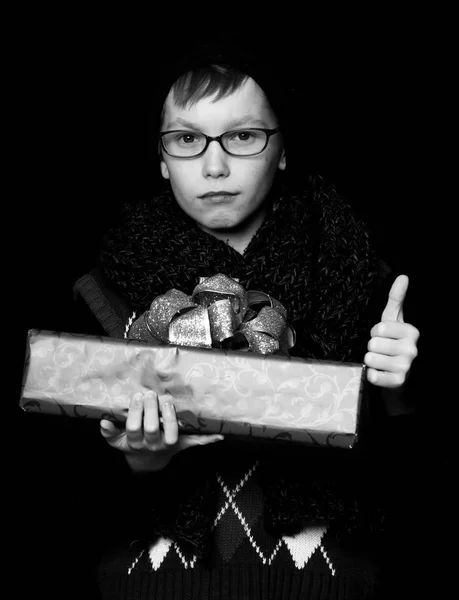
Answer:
(171, 436)
(375, 330)
(372, 375)
(371, 344)
(398, 379)
(404, 364)
(415, 333)
(170, 446)
(131, 429)
(171, 442)
(136, 446)
(380, 329)
(412, 352)
(409, 346)
(151, 431)
(368, 359)
(154, 447)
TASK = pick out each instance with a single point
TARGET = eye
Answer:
(188, 138)
(242, 136)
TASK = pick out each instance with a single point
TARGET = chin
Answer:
(221, 223)
(219, 226)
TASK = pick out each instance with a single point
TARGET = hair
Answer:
(216, 71)
(217, 80)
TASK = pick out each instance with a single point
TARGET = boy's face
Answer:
(249, 178)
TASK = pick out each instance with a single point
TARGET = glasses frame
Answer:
(218, 138)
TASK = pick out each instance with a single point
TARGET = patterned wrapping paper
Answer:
(214, 391)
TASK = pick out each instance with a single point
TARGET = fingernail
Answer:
(168, 409)
(150, 394)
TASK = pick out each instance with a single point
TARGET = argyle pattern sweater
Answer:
(244, 556)
(245, 561)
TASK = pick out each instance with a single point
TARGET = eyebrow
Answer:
(229, 124)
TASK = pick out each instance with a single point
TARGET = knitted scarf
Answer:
(314, 256)
(311, 254)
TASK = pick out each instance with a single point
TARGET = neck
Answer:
(239, 237)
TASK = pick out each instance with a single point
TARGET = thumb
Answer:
(109, 431)
(394, 307)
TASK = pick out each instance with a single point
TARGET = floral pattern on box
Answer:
(240, 393)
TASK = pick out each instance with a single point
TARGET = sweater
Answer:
(246, 560)
(236, 520)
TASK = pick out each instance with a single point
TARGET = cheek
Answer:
(262, 173)
(257, 175)
(183, 179)
(270, 161)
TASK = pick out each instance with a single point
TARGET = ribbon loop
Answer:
(220, 313)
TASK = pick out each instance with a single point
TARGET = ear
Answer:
(282, 161)
(164, 169)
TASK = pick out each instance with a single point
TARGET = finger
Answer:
(108, 429)
(134, 421)
(395, 330)
(378, 361)
(391, 364)
(151, 428)
(188, 441)
(170, 425)
(404, 349)
(385, 379)
(394, 307)
(387, 346)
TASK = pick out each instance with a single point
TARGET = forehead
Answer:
(247, 105)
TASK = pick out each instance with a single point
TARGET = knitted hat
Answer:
(262, 65)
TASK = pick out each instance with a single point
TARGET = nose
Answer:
(215, 161)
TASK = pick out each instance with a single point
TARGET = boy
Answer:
(222, 149)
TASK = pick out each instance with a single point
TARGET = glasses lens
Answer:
(245, 142)
(183, 143)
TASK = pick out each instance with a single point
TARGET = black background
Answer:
(86, 144)
(85, 149)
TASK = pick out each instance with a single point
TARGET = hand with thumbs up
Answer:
(393, 344)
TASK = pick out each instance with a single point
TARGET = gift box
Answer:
(232, 392)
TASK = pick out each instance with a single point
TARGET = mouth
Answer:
(221, 194)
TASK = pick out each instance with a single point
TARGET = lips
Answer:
(219, 194)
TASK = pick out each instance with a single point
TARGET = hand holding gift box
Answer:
(214, 390)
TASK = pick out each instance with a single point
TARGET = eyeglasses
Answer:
(241, 142)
